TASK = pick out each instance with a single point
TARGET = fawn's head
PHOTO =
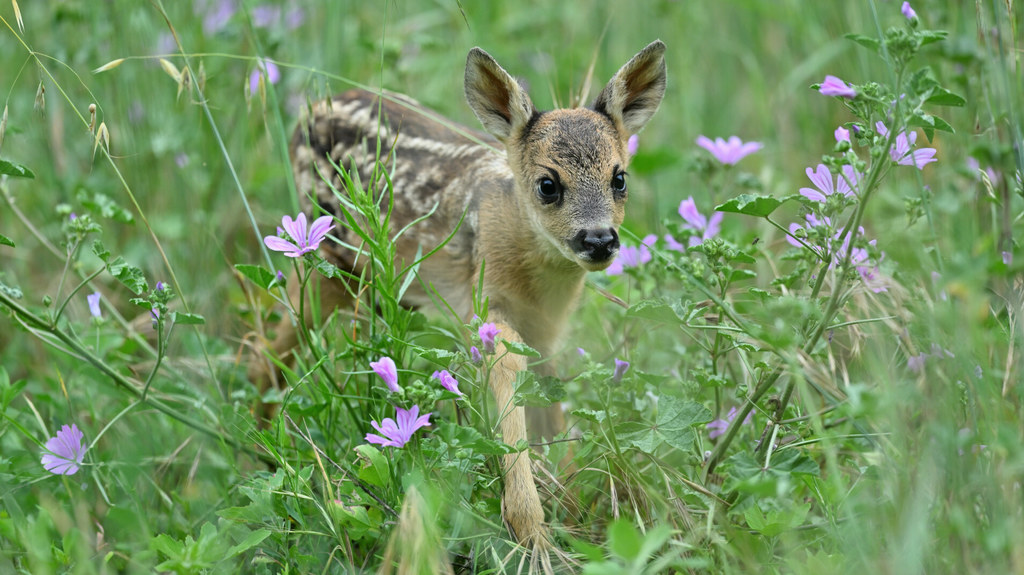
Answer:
(570, 164)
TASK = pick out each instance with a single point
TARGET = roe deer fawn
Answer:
(539, 207)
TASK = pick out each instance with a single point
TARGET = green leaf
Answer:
(251, 540)
(15, 170)
(676, 418)
(187, 318)
(259, 275)
(101, 252)
(624, 540)
(752, 205)
(375, 469)
(777, 520)
(932, 36)
(658, 310)
(106, 207)
(867, 41)
(6, 241)
(943, 97)
(595, 416)
(129, 275)
(520, 348)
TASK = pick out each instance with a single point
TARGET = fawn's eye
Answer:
(548, 190)
(619, 182)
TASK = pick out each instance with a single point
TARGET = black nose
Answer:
(596, 245)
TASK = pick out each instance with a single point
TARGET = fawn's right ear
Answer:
(496, 98)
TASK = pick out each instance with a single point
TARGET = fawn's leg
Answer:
(520, 503)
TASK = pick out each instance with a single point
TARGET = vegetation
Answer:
(821, 333)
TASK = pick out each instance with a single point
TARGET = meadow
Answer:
(804, 360)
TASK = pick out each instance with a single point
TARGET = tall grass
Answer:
(899, 443)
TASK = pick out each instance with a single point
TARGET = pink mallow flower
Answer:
(487, 333)
(65, 451)
(822, 179)
(265, 69)
(718, 426)
(447, 381)
(632, 256)
(305, 242)
(386, 369)
(706, 228)
(728, 152)
(907, 11)
(633, 144)
(902, 152)
(93, 300)
(833, 86)
(620, 370)
(397, 432)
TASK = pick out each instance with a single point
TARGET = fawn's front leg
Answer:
(520, 502)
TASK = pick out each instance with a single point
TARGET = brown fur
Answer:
(535, 252)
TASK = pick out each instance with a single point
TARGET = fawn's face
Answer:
(570, 168)
(570, 165)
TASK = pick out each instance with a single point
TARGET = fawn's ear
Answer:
(496, 98)
(632, 96)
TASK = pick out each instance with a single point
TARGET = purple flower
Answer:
(730, 152)
(833, 86)
(474, 355)
(154, 314)
(397, 434)
(842, 134)
(264, 16)
(632, 256)
(633, 144)
(812, 222)
(620, 370)
(718, 426)
(907, 11)
(159, 286)
(94, 304)
(915, 363)
(217, 16)
(72, 216)
(447, 381)
(297, 231)
(385, 368)
(181, 160)
(294, 18)
(488, 332)
(822, 179)
(65, 451)
(1007, 258)
(265, 69)
(901, 152)
(707, 228)
(673, 244)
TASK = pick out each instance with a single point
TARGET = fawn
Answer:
(539, 207)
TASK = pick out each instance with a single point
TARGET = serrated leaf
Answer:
(14, 170)
(187, 318)
(674, 425)
(259, 275)
(6, 241)
(867, 41)
(129, 275)
(101, 251)
(751, 205)
(520, 348)
(932, 36)
(595, 416)
(656, 310)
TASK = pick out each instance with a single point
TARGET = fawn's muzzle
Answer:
(596, 245)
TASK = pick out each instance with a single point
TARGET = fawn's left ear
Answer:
(633, 95)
